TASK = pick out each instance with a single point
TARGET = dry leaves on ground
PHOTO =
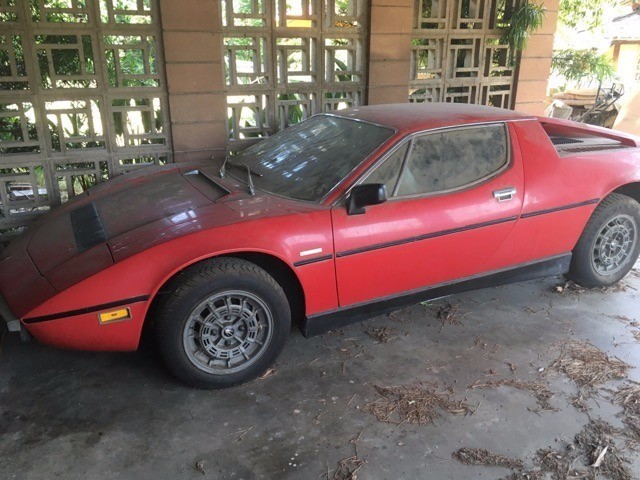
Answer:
(480, 456)
(540, 390)
(594, 444)
(400, 316)
(592, 454)
(381, 334)
(579, 400)
(628, 397)
(449, 314)
(348, 468)
(575, 289)
(526, 475)
(626, 320)
(268, 372)
(586, 364)
(616, 287)
(569, 288)
(418, 403)
(591, 441)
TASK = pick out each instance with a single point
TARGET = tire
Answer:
(223, 323)
(609, 245)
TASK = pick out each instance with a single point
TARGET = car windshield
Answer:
(307, 160)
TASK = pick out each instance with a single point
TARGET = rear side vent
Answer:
(563, 140)
(87, 227)
(593, 148)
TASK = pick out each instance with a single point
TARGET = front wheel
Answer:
(609, 245)
(224, 322)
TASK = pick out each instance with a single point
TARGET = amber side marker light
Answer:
(114, 316)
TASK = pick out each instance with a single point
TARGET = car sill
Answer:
(323, 322)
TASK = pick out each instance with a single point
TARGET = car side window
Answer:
(388, 172)
(453, 158)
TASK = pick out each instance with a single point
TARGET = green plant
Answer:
(526, 18)
(583, 66)
(295, 113)
(586, 14)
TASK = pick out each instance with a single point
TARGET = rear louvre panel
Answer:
(570, 138)
(87, 227)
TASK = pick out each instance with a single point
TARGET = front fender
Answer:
(70, 318)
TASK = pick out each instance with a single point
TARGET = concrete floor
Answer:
(80, 415)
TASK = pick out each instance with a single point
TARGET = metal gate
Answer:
(458, 52)
(288, 59)
(82, 98)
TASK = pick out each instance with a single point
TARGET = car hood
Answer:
(109, 211)
(131, 213)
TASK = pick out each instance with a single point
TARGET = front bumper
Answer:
(13, 324)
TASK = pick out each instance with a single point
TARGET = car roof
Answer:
(422, 116)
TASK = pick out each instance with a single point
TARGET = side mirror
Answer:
(364, 195)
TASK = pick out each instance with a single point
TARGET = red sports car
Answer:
(338, 218)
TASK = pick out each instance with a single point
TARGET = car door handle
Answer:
(504, 194)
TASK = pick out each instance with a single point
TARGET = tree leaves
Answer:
(586, 14)
(583, 66)
(527, 18)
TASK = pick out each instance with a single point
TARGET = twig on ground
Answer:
(540, 390)
(586, 364)
(418, 403)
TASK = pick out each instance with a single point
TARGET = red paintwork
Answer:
(85, 333)
(161, 221)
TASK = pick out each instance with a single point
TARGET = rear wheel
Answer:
(224, 322)
(609, 245)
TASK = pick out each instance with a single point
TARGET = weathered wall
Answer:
(391, 25)
(195, 76)
(627, 59)
(629, 117)
(195, 79)
(82, 99)
(535, 65)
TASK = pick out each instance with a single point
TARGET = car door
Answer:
(453, 197)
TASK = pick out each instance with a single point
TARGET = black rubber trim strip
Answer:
(341, 317)
(425, 236)
(313, 260)
(80, 311)
(563, 207)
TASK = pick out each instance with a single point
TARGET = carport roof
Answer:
(626, 27)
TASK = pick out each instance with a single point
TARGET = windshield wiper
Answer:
(222, 171)
(252, 190)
